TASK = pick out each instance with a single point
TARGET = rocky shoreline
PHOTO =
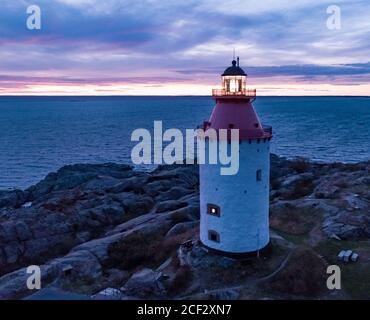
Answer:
(137, 233)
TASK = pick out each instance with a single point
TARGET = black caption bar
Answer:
(141, 310)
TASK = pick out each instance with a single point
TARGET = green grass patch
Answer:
(296, 221)
(356, 279)
(84, 286)
(331, 247)
(293, 238)
(355, 276)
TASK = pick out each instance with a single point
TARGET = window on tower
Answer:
(234, 84)
(213, 236)
(227, 82)
(259, 175)
(213, 210)
(240, 87)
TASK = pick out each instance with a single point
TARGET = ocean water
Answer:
(40, 134)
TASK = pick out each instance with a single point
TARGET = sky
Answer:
(163, 47)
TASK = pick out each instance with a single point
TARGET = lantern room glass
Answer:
(234, 84)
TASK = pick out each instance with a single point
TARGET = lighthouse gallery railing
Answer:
(244, 92)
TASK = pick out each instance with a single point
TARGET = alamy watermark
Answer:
(334, 21)
(149, 150)
(33, 21)
(34, 280)
(334, 281)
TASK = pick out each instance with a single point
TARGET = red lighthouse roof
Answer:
(234, 109)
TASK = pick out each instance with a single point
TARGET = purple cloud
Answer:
(159, 42)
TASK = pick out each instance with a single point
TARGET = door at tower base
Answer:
(242, 200)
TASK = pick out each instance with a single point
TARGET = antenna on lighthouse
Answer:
(234, 54)
(237, 61)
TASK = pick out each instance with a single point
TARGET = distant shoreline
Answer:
(155, 167)
(174, 96)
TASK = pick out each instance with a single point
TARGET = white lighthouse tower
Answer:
(235, 208)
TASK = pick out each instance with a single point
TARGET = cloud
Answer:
(103, 81)
(184, 41)
(303, 72)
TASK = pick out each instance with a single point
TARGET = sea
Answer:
(39, 135)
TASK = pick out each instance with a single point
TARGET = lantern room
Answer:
(234, 83)
(234, 79)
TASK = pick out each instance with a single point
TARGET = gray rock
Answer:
(13, 199)
(42, 246)
(84, 264)
(348, 226)
(117, 277)
(280, 167)
(188, 213)
(181, 228)
(82, 209)
(169, 205)
(296, 186)
(14, 285)
(133, 184)
(156, 187)
(144, 205)
(225, 294)
(109, 213)
(23, 231)
(292, 180)
(71, 176)
(135, 203)
(174, 193)
(83, 236)
(100, 184)
(326, 190)
(99, 247)
(12, 252)
(145, 284)
(108, 294)
(8, 232)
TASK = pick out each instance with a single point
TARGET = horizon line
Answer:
(169, 95)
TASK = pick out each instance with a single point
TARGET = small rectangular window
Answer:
(213, 210)
(259, 175)
(240, 87)
(213, 236)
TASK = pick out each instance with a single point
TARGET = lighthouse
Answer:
(235, 208)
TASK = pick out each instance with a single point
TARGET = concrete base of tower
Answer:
(265, 251)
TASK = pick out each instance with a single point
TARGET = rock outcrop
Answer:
(82, 202)
(91, 227)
